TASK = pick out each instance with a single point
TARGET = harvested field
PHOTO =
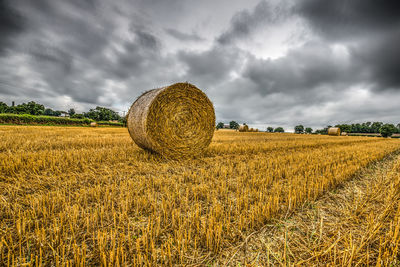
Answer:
(90, 195)
(357, 224)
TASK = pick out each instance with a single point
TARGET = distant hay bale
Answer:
(174, 121)
(93, 124)
(343, 134)
(243, 128)
(251, 130)
(256, 130)
(334, 131)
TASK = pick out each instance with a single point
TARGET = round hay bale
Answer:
(174, 121)
(256, 130)
(93, 124)
(243, 128)
(343, 134)
(251, 130)
(334, 131)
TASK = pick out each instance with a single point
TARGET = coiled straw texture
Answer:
(334, 131)
(175, 121)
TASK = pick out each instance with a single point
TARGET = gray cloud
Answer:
(184, 36)
(334, 62)
(210, 67)
(349, 19)
(301, 70)
(246, 22)
(371, 30)
(11, 24)
(381, 58)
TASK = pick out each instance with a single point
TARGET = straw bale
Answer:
(334, 131)
(174, 121)
(243, 128)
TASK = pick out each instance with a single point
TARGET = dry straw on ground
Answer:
(99, 201)
(243, 128)
(174, 121)
(334, 131)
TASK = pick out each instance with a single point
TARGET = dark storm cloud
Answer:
(345, 19)
(246, 22)
(370, 27)
(184, 36)
(11, 23)
(211, 67)
(137, 56)
(302, 69)
(381, 58)
(344, 67)
(66, 45)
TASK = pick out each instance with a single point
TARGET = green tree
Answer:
(34, 108)
(71, 112)
(344, 127)
(387, 130)
(270, 129)
(124, 120)
(376, 126)
(220, 125)
(102, 114)
(299, 129)
(398, 128)
(78, 116)
(279, 130)
(3, 107)
(309, 130)
(48, 112)
(234, 125)
(29, 108)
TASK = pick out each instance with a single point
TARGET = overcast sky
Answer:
(266, 63)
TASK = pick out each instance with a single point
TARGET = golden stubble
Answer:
(90, 196)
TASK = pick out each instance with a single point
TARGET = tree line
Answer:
(33, 108)
(364, 128)
(234, 125)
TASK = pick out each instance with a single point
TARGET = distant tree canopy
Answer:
(78, 116)
(270, 129)
(3, 107)
(234, 125)
(388, 130)
(71, 112)
(309, 130)
(299, 129)
(102, 114)
(220, 125)
(366, 127)
(50, 112)
(33, 108)
(279, 130)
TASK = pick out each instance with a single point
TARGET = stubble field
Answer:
(89, 196)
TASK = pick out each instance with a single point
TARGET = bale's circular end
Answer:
(174, 121)
(93, 124)
(334, 131)
(243, 128)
